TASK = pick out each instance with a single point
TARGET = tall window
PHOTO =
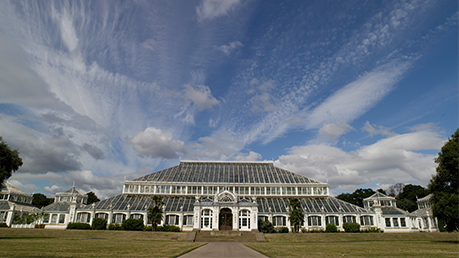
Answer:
(349, 219)
(244, 219)
(279, 221)
(332, 220)
(61, 218)
(402, 222)
(206, 219)
(395, 222)
(388, 222)
(188, 220)
(119, 218)
(136, 216)
(366, 220)
(82, 217)
(315, 221)
(102, 215)
(172, 220)
(54, 218)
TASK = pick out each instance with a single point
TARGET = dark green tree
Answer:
(40, 200)
(444, 184)
(357, 196)
(92, 198)
(407, 198)
(155, 213)
(9, 161)
(296, 215)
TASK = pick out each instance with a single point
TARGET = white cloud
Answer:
(200, 96)
(356, 98)
(395, 159)
(54, 189)
(375, 130)
(251, 156)
(227, 49)
(210, 9)
(155, 143)
(331, 132)
(27, 188)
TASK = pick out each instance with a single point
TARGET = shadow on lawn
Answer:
(448, 241)
(26, 237)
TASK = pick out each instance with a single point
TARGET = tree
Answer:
(9, 162)
(296, 215)
(40, 200)
(395, 190)
(406, 200)
(92, 198)
(357, 196)
(155, 213)
(444, 184)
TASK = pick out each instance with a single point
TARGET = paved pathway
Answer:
(223, 250)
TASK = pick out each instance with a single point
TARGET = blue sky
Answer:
(352, 93)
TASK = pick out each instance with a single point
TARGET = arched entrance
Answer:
(225, 219)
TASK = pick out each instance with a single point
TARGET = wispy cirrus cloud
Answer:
(230, 47)
(210, 9)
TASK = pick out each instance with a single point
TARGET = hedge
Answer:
(351, 227)
(78, 225)
(99, 224)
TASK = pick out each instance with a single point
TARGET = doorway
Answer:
(226, 219)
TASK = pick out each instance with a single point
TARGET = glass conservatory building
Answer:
(201, 195)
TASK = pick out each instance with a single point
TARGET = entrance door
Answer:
(226, 219)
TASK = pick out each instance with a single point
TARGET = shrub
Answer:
(373, 230)
(78, 225)
(331, 228)
(168, 228)
(133, 224)
(282, 230)
(266, 227)
(304, 230)
(351, 227)
(3, 225)
(316, 230)
(115, 227)
(99, 224)
(148, 228)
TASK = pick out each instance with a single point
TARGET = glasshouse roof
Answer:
(227, 172)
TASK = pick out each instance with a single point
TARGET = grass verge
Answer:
(92, 243)
(359, 245)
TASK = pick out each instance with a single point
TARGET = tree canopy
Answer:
(444, 184)
(155, 213)
(92, 198)
(357, 196)
(296, 215)
(9, 161)
(40, 200)
(406, 199)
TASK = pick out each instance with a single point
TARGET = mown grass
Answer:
(359, 245)
(91, 243)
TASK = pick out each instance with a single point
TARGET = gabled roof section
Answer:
(227, 172)
(71, 191)
(11, 189)
(379, 195)
(426, 198)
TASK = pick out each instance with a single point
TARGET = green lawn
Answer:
(359, 245)
(91, 243)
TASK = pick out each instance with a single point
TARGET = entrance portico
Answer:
(226, 211)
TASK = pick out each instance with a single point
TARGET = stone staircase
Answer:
(226, 236)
